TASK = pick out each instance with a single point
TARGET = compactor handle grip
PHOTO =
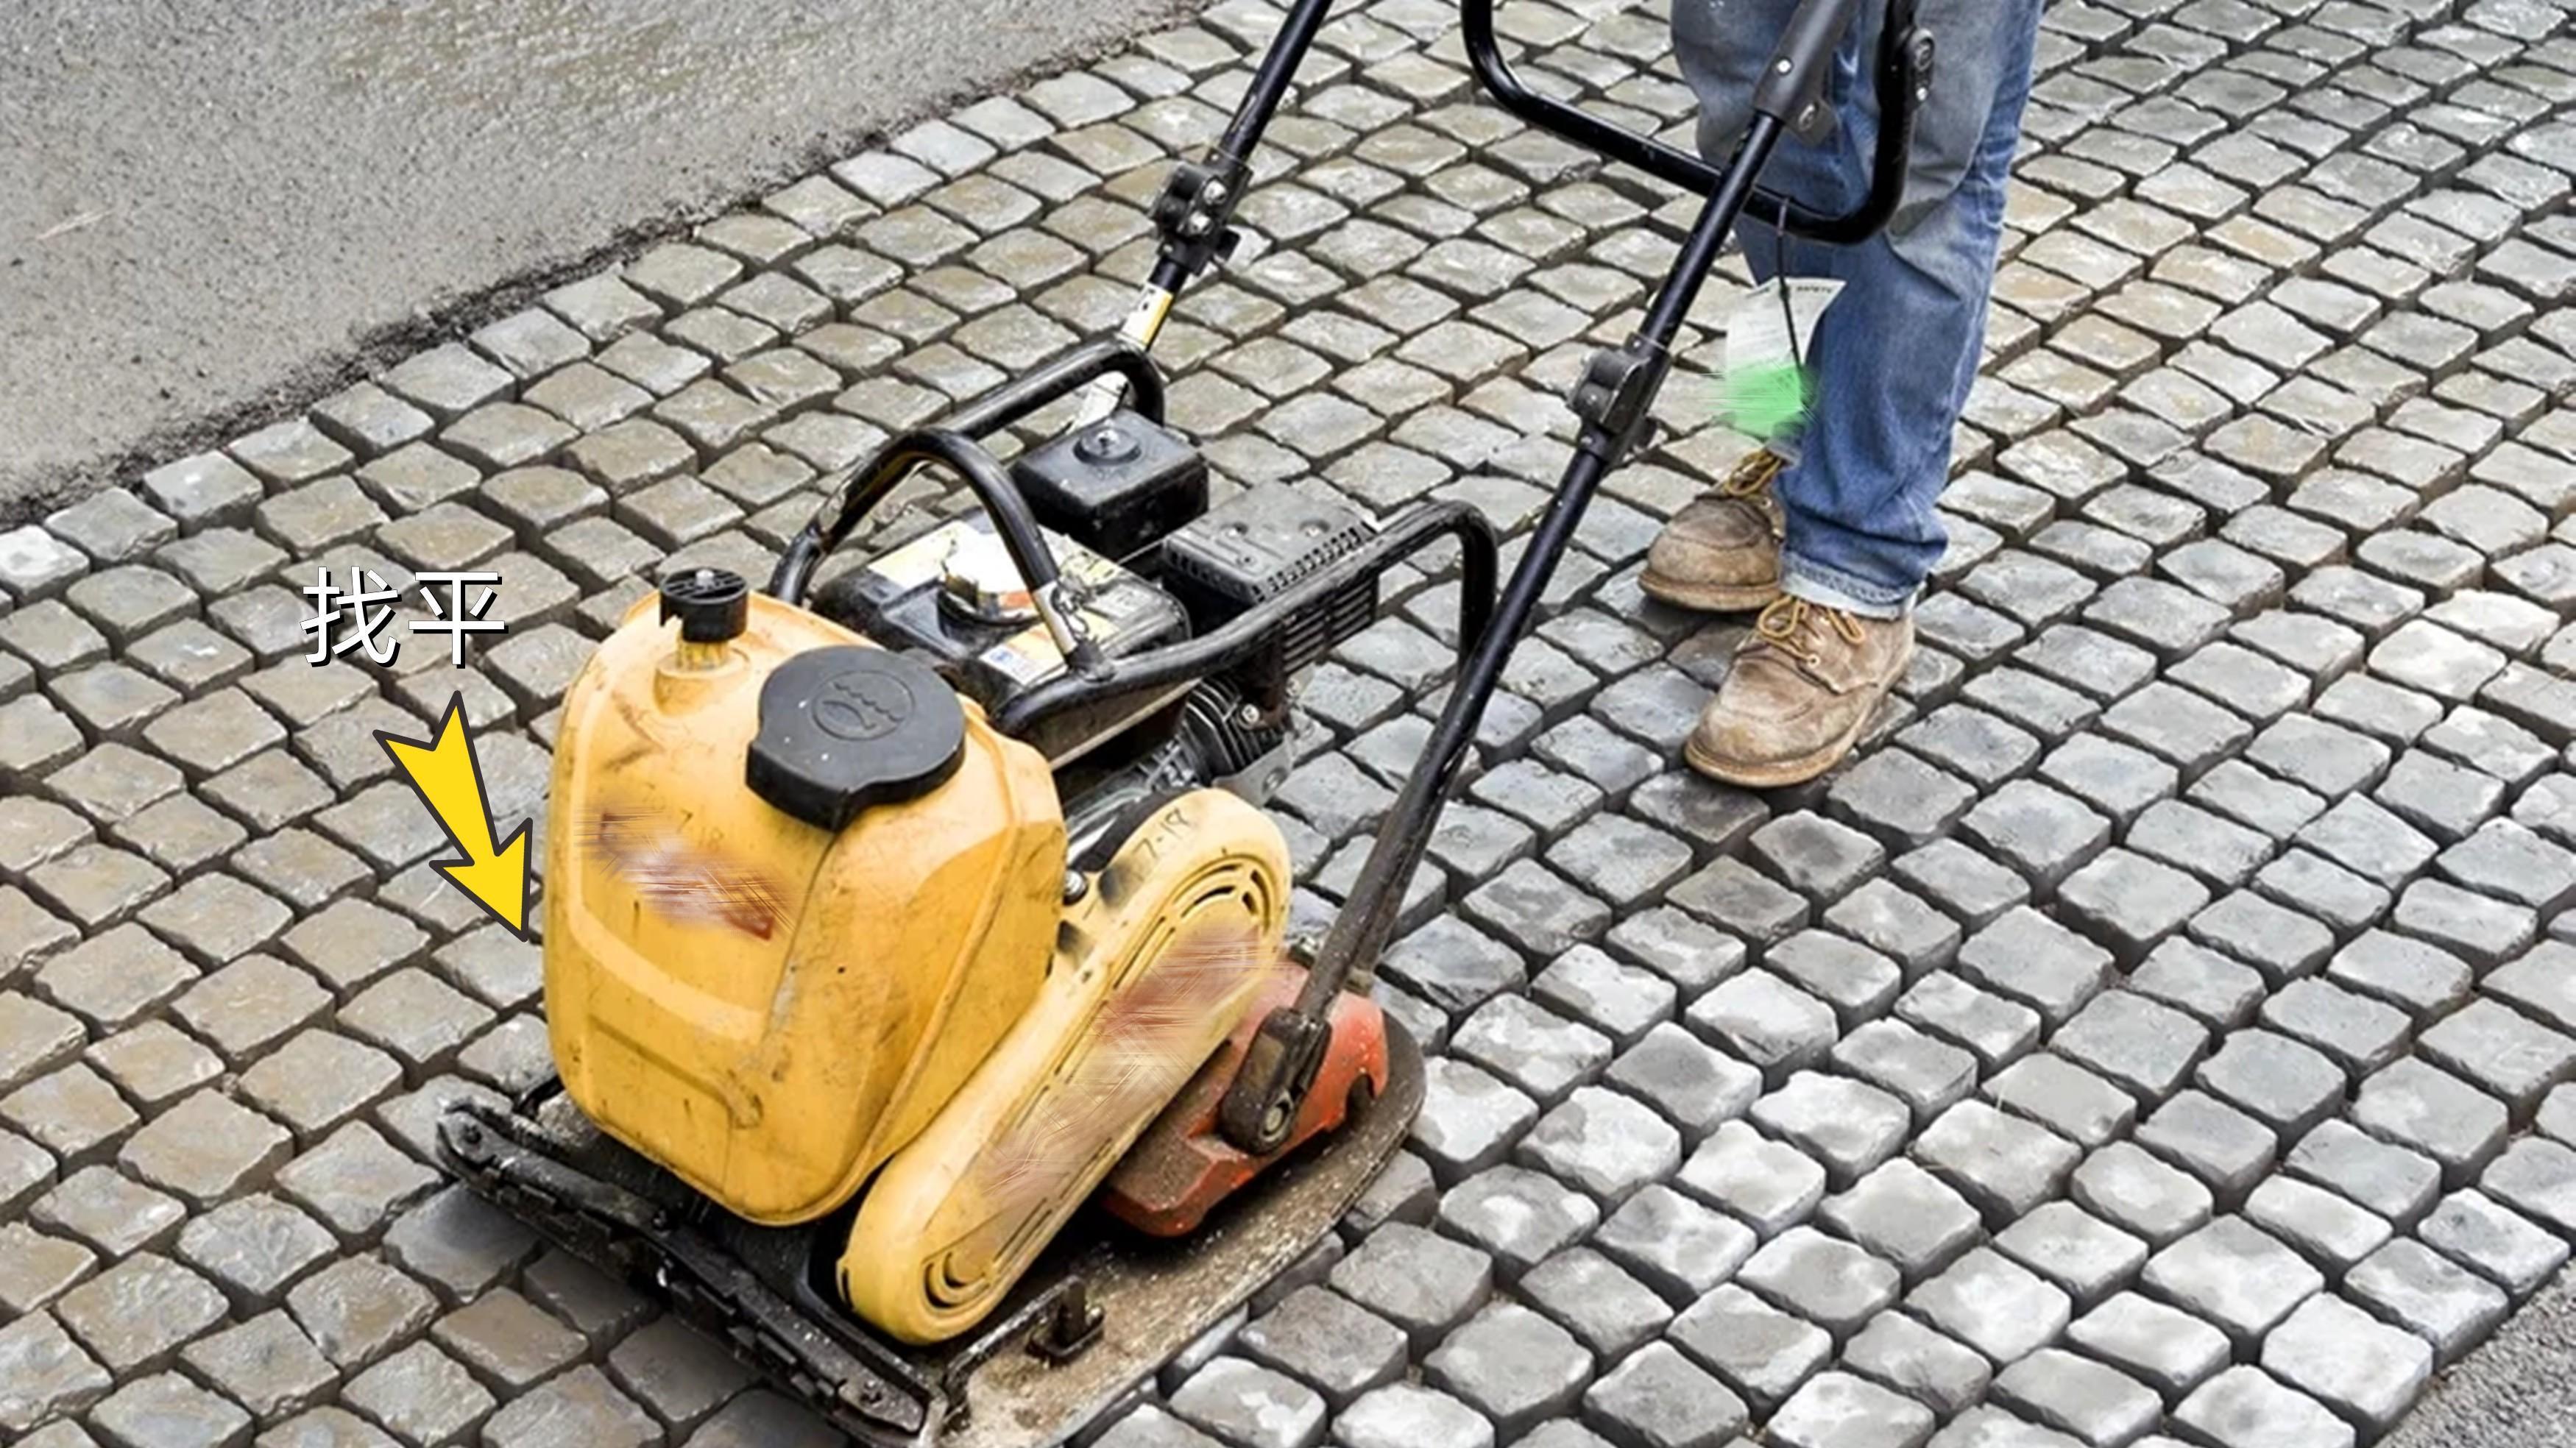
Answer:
(1904, 74)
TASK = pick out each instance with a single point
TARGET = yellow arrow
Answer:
(450, 781)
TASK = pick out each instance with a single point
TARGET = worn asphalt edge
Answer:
(44, 490)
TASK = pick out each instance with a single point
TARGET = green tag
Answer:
(1767, 402)
(1767, 389)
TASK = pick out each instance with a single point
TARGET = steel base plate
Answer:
(756, 1287)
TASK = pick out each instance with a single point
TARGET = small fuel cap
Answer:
(712, 604)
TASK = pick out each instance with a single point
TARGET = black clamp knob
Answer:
(712, 604)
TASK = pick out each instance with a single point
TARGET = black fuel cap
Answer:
(844, 728)
(712, 604)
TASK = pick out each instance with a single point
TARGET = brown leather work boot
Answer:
(1722, 553)
(1803, 688)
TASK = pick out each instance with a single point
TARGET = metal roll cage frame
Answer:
(1612, 400)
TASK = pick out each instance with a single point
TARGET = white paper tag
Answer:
(1758, 330)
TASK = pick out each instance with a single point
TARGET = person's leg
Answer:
(1893, 360)
(1721, 552)
(1895, 355)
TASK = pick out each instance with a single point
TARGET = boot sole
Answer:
(1710, 597)
(1801, 769)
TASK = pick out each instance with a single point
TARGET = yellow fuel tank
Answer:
(766, 1008)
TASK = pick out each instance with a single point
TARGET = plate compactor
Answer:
(913, 947)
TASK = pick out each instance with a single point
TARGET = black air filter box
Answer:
(1256, 547)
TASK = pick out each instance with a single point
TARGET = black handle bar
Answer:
(952, 443)
(1792, 93)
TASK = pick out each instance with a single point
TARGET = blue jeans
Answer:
(1894, 356)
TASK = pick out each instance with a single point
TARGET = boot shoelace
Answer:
(1791, 624)
(1752, 477)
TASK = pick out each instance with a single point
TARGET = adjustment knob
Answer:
(712, 604)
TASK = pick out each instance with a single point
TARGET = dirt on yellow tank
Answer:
(766, 1008)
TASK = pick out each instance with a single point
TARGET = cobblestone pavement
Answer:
(2157, 1031)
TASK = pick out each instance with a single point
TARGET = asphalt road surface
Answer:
(209, 207)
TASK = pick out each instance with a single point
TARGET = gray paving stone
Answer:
(1324, 1340)
(2281, 943)
(1422, 1283)
(1757, 1350)
(2114, 778)
(2244, 1408)
(1997, 1031)
(1962, 882)
(1992, 1427)
(1762, 1019)
(137, 1313)
(1596, 1300)
(2130, 902)
(2226, 1148)
(2367, 1372)
(2065, 1098)
(1674, 1244)
(2409, 1285)
(165, 1408)
(48, 1373)
(2481, 1234)
(676, 1372)
(2042, 832)
(2410, 975)
(2537, 1177)
(2286, 1085)
(2416, 1105)
(1511, 1365)
(2030, 958)
(2502, 1052)
(1518, 1216)
(1241, 1402)
(2163, 1347)
(206, 1148)
(1656, 1398)
(2086, 1257)
(1900, 798)
(1604, 1142)
(1405, 1413)
(1927, 1075)
(2215, 989)
(1903, 1355)
(1768, 1185)
(2326, 1229)
(1739, 899)
(266, 1365)
(2359, 1034)
(2483, 929)
(1693, 1085)
(1993, 1305)
(580, 1406)
(1856, 981)
(2143, 1046)
(2235, 1275)
(2507, 860)
(1534, 1049)
(1839, 1410)
(2003, 1165)
(2096, 1403)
